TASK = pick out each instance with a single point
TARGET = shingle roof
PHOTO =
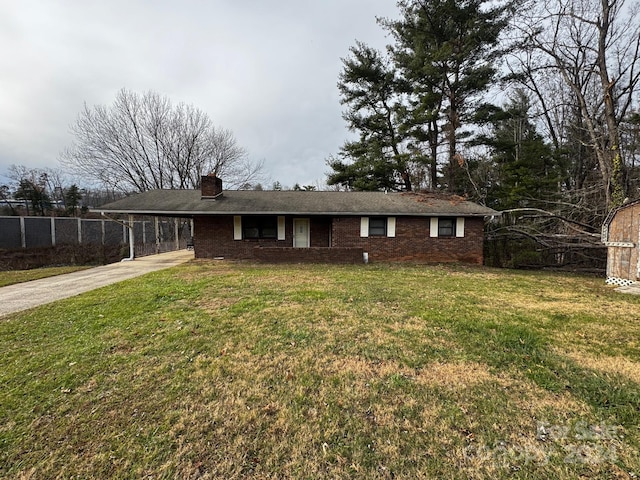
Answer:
(250, 202)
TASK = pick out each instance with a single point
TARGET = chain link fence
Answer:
(152, 234)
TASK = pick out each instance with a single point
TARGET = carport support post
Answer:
(177, 232)
(23, 233)
(131, 240)
(156, 226)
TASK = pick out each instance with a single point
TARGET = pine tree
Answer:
(407, 104)
(33, 194)
(528, 175)
(370, 90)
(72, 199)
(447, 50)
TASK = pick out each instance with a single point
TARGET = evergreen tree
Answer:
(72, 199)
(5, 196)
(371, 91)
(35, 195)
(447, 50)
(405, 106)
(528, 175)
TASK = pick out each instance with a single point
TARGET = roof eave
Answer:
(167, 213)
(191, 213)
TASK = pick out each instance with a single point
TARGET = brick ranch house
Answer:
(311, 226)
(621, 235)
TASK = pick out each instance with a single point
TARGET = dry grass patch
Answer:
(533, 291)
(618, 337)
(617, 365)
(450, 376)
(539, 403)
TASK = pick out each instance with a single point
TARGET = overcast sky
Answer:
(266, 70)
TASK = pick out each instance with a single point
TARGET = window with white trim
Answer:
(446, 227)
(260, 227)
(378, 226)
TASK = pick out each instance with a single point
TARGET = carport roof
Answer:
(188, 203)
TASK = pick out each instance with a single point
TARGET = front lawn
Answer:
(223, 370)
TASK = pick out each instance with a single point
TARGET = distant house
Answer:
(621, 235)
(312, 226)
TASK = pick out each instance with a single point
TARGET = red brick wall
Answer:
(320, 231)
(213, 237)
(308, 255)
(412, 241)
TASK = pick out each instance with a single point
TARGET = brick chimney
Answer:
(211, 186)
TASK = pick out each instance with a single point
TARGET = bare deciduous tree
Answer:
(595, 49)
(143, 142)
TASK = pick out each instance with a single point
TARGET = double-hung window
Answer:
(378, 226)
(446, 227)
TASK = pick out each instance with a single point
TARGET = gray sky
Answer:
(266, 70)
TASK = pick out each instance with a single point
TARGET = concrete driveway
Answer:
(23, 296)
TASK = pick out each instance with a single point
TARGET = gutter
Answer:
(129, 226)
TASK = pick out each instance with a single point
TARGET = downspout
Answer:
(129, 226)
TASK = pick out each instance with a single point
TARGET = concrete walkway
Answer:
(21, 296)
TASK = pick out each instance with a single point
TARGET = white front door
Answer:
(301, 232)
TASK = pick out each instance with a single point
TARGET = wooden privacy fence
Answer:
(151, 234)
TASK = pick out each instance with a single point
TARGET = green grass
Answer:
(218, 370)
(10, 277)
